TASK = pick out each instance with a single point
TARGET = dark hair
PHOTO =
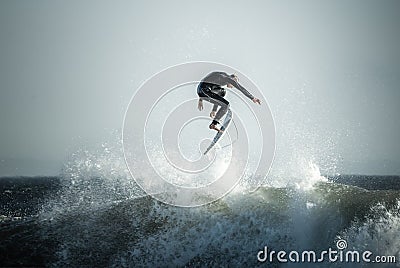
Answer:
(233, 75)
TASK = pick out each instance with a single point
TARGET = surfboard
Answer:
(219, 135)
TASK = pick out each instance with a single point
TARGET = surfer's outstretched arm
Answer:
(241, 88)
(233, 80)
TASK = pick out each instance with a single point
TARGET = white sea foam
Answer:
(101, 211)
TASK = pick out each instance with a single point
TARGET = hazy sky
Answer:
(329, 69)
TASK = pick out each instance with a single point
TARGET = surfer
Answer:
(212, 89)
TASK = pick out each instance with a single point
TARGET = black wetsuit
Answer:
(211, 89)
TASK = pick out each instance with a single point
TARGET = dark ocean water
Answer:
(106, 223)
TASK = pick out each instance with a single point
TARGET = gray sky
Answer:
(329, 69)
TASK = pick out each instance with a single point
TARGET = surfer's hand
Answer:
(200, 105)
(255, 100)
(212, 114)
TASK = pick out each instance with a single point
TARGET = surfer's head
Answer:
(234, 77)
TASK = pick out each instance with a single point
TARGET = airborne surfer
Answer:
(212, 89)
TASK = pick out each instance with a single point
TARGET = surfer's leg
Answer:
(206, 94)
(220, 101)
(222, 111)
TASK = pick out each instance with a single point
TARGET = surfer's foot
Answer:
(214, 126)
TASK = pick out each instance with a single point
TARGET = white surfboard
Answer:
(224, 127)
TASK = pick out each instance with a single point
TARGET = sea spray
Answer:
(100, 217)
